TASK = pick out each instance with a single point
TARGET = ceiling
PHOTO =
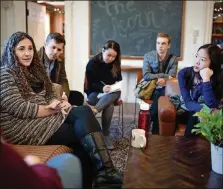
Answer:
(54, 3)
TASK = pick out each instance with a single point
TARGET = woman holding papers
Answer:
(103, 73)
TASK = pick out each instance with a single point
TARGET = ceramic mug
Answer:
(138, 138)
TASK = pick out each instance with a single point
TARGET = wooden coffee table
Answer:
(171, 162)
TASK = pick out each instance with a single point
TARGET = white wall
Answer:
(36, 23)
(76, 34)
(198, 16)
(13, 18)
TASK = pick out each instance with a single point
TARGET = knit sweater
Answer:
(152, 68)
(18, 116)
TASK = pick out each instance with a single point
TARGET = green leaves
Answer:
(210, 124)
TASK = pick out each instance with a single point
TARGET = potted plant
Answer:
(210, 126)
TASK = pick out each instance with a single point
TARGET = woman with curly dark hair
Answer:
(32, 114)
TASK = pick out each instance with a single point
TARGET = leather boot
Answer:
(106, 174)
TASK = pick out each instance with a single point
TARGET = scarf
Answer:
(35, 83)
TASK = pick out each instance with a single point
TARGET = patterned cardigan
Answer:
(18, 116)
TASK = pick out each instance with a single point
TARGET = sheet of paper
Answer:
(115, 87)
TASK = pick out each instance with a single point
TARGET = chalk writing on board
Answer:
(95, 27)
(135, 24)
(115, 7)
(163, 5)
(121, 27)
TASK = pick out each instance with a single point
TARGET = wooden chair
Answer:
(118, 103)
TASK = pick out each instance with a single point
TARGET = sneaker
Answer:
(94, 110)
(108, 143)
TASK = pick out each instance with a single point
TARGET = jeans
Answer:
(79, 123)
(154, 107)
(69, 169)
(190, 121)
(106, 105)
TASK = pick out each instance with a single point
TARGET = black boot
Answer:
(106, 174)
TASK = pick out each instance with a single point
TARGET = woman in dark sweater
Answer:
(31, 113)
(103, 70)
(201, 83)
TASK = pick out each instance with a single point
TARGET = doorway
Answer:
(44, 17)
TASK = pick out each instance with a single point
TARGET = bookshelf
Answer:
(217, 29)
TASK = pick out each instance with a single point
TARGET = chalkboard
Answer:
(135, 25)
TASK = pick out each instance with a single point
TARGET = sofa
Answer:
(167, 113)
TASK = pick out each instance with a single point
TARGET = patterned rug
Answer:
(120, 153)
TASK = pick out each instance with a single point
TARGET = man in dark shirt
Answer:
(162, 65)
(51, 56)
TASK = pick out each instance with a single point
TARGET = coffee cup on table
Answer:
(138, 138)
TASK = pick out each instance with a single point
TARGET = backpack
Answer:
(144, 89)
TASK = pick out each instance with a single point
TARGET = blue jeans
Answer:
(69, 169)
(154, 107)
(189, 120)
(106, 105)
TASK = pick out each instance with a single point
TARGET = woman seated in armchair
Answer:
(201, 83)
(31, 114)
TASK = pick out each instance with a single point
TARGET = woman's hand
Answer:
(64, 96)
(106, 88)
(32, 160)
(64, 105)
(206, 74)
(52, 108)
(55, 105)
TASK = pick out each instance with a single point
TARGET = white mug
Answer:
(138, 138)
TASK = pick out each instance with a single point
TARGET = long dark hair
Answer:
(9, 59)
(116, 68)
(214, 53)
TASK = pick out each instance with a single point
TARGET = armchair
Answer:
(167, 113)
